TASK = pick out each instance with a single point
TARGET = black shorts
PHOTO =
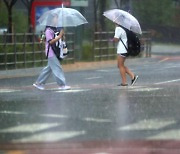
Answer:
(123, 54)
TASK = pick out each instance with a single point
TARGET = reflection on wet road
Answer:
(95, 109)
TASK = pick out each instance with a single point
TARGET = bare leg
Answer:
(122, 69)
(131, 74)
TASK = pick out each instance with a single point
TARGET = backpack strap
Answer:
(48, 51)
(123, 44)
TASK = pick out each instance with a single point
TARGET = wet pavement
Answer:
(95, 116)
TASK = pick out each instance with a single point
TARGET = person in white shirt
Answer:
(121, 56)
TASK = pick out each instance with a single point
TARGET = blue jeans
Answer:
(54, 67)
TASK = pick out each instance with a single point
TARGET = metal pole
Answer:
(15, 52)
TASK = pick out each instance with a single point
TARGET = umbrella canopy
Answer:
(66, 17)
(124, 19)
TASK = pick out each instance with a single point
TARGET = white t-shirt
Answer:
(121, 33)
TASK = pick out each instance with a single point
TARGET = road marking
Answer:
(12, 112)
(43, 115)
(165, 82)
(49, 136)
(53, 115)
(172, 66)
(137, 88)
(8, 90)
(71, 91)
(144, 89)
(150, 124)
(97, 120)
(32, 127)
(91, 78)
(110, 70)
(167, 135)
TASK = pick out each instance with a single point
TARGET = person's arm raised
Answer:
(58, 37)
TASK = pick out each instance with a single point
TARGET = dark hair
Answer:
(122, 27)
(53, 28)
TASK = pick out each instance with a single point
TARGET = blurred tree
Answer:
(9, 5)
(95, 6)
(154, 11)
(103, 5)
(18, 17)
(118, 3)
(177, 13)
(28, 5)
(124, 4)
(3, 15)
(99, 8)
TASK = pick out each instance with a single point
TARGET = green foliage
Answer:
(20, 22)
(20, 53)
(3, 15)
(177, 16)
(87, 51)
(109, 25)
(154, 11)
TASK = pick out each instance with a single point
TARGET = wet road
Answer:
(96, 109)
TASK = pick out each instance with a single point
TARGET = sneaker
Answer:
(134, 80)
(64, 87)
(38, 86)
(124, 85)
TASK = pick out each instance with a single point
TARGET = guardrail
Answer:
(24, 50)
(105, 48)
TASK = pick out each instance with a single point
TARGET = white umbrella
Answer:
(124, 19)
(67, 17)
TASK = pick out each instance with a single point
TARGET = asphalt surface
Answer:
(95, 109)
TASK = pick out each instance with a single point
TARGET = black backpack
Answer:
(133, 42)
(57, 49)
